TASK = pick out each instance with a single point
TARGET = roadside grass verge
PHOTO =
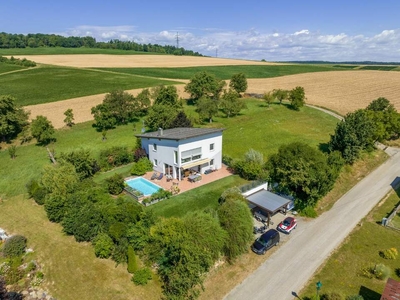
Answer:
(61, 50)
(71, 270)
(349, 177)
(198, 199)
(342, 271)
(4, 68)
(226, 72)
(48, 84)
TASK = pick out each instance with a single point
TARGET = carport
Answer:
(268, 203)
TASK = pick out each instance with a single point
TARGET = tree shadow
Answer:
(323, 147)
(368, 294)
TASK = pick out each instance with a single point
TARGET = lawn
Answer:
(198, 199)
(4, 68)
(226, 72)
(61, 50)
(31, 158)
(48, 84)
(71, 270)
(266, 129)
(342, 271)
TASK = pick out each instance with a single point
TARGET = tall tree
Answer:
(42, 130)
(302, 171)
(297, 97)
(203, 84)
(166, 95)
(13, 119)
(142, 102)
(230, 103)
(181, 120)
(69, 117)
(238, 83)
(160, 116)
(207, 108)
(269, 98)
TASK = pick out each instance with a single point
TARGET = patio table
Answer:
(194, 178)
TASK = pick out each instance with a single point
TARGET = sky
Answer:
(338, 30)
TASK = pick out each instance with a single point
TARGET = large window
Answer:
(190, 155)
(155, 162)
(212, 147)
(154, 147)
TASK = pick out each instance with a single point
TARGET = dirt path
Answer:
(290, 267)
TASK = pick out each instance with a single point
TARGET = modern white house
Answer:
(178, 151)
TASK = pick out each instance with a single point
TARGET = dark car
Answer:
(266, 241)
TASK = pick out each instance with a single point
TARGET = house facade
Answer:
(179, 151)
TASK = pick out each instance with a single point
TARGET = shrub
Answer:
(142, 276)
(114, 157)
(309, 211)
(367, 272)
(142, 166)
(331, 296)
(31, 266)
(139, 153)
(36, 191)
(381, 272)
(390, 253)
(14, 246)
(115, 184)
(160, 194)
(103, 245)
(132, 262)
(14, 273)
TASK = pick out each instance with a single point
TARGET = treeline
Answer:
(322, 62)
(35, 40)
(16, 61)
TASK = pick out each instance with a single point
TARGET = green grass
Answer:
(125, 171)
(226, 72)
(266, 129)
(9, 67)
(60, 50)
(197, 199)
(49, 84)
(31, 158)
(379, 68)
(71, 270)
(341, 273)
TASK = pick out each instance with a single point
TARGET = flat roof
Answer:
(180, 133)
(269, 201)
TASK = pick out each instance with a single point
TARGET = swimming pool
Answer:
(141, 184)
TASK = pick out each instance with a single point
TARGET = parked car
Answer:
(266, 241)
(287, 225)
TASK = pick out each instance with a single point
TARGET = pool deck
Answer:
(185, 185)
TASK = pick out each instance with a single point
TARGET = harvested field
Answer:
(135, 61)
(340, 91)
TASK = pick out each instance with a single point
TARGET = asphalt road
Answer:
(292, 265)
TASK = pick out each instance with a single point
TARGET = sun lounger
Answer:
(154, 176)
(160, 177)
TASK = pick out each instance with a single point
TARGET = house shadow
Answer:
(395, 184)
(368, 294)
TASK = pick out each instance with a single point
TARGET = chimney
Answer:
(160, 132)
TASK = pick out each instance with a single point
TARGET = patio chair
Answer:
(154, 176)
(160, 177)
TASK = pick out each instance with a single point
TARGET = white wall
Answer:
(165, 150)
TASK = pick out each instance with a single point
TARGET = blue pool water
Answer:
(141, 184)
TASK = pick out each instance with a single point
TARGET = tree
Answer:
(251, 166)
(118, 107)
(85, 165)
(238, 82)
(12, 151)
(160, 116)
(181, 120)
(207, 108)
(269, 98)
(142, 102)
(103, 245)
(230, 103)
(69, 117)
(166, 95)
(115, 184)
(353, 134)
(132, 260)
(237, 221)
(280, 95)
(302, 171)
(297, 97)
(13, 119)
(203, 84)
(42, 130)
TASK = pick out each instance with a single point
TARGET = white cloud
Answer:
(254, 44)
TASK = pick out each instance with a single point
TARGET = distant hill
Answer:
(36, 40)
(341, 62)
